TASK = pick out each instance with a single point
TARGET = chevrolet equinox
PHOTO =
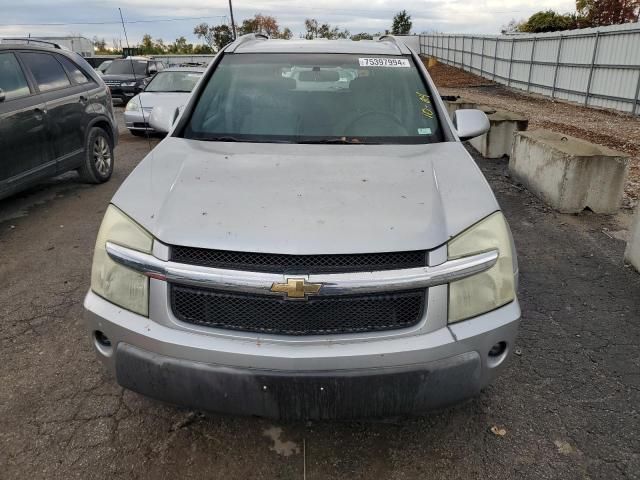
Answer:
(311, 240)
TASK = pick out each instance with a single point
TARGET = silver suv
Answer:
(308, 245)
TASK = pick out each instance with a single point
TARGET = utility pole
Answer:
(233, 24)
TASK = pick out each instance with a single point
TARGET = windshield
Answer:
(127, 67)
(173, 82)
(315, 98)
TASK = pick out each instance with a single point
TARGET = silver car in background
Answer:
(317, 245)
(168, 89)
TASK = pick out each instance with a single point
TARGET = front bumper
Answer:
(124, 94)
(328, 378)
(137, 120)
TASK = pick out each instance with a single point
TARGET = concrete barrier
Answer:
(498, 141)
(458, 104)
(568, 173)
(632, 252)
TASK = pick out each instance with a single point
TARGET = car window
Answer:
(48, 73)
(127, 67)
(173, 82)
(160, 66)
(12, 80)
(315, 98)
(76, 73)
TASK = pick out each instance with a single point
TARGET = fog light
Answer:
(498, 349)
(102, 343)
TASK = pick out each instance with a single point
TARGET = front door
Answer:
(24, 147)
(65, 103)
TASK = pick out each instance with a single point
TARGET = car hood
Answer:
(306, 199)
(165, 99)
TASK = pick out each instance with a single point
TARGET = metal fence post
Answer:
(482, 58)
(636, 100)
(555, 73)
(495, 56)
(593, 61)
(533, 53)
(510, 62)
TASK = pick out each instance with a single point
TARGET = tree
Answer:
(265, 25)
(548, 21)
(99, 45)
(146, 46)
(401, 23)
(180, 47)
(596, 13)
(325, 30)
(362, 36)
(215, 36)
(512, 27)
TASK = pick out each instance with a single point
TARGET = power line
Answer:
(61, 24)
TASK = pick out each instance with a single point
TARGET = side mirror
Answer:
(470, 123)
(163, 118)
(153, 71)
(2, 95)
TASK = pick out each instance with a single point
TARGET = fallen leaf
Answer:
(501, 432)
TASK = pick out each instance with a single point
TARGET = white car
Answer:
(169, 89)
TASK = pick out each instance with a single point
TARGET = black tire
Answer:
(98, 162)
(138, 133)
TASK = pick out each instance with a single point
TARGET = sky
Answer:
(170, 19)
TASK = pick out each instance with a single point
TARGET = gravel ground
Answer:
(568, 401)
(615, 130)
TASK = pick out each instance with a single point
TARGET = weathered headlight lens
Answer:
(112, 281)
(492, 288)
(133, 105)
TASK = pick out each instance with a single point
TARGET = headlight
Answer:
(128, 84)
(133, 105)
(112, 281)
(492, 288)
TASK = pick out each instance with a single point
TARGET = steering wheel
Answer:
(372, 113)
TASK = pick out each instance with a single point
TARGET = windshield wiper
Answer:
(222, 138)
(336, 140)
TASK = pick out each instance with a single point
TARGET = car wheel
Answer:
(98, 162)
(138, 133)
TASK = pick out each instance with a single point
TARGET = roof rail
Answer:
(388, 38)
(29, 40)
(248, 37)
(393, 39)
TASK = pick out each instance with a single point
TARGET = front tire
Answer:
(98, 162)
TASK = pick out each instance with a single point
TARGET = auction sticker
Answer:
(384, 62)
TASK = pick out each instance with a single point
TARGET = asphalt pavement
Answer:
(566, 407)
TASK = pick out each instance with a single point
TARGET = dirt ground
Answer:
(568, 401)
(615, 130)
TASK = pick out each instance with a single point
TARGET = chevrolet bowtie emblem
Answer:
(296, 288)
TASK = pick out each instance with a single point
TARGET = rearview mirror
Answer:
(2, 96)
(470, 123)
(163, 118)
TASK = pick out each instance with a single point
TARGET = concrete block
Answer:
(568, 173)
(632, 252)
(498, 141)
(457, 104)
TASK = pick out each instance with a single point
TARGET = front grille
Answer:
(281, 263)
(315, 316)
(112, 83)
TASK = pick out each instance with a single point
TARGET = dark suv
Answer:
(128, 76)
(55, 115)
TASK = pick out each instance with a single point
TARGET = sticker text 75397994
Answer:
(384, 62)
